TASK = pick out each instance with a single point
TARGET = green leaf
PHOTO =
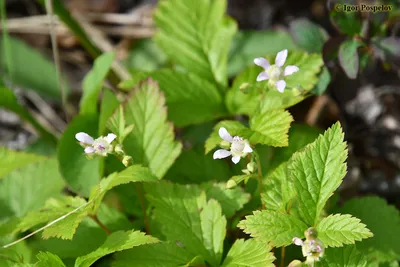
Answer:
(348, 58)
(28, 188)
(19, 253)
(11, 160)
(346, 22)
(248, 45)
(109, 104)
(146, 56)
(248, 253)
(200, 32)
(337, 230)
(185, 216)
(151, 143)
(317, 172)
(190, 100)
(41, 78)
(274, 228)
(47, 259)
(347, 256)
(10, 102)
(114, 219)
(164, 254)
(384, 222)
(231, 200)
(308, 35)
(93, 83)
(80, 173)
(117, 241)
(323, 82)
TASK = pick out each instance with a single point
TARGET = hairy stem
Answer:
(96, 219)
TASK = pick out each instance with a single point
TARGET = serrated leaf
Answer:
(80, 173)
(28, 188)
(151, 143)
(20, 252)
(185, 216)
(384, 222)
(11, 160)
(317, 171)
(274, 228)
(248, 253)
(347, 256)
(337, 230)
(200, 32)
(47, 259)
(231, 200)
(94, 81)
(348, 58)
(66, 228)
(164, 254)
(117, 241)
(190, 99)
(308, 35)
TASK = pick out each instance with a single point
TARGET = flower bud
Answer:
(295, 263)
(119, 150)
(127, 160)
(231, 184)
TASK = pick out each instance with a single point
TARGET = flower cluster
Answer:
(312, 248)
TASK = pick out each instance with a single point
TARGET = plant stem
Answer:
(139, 190)
(96, 219)
(283, 256)
(260, 178)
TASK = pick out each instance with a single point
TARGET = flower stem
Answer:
(96, 219)
(139, 190)
(260, 178)
(283, 256)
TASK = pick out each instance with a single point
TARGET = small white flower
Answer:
(239, 147)
(100, 146)
(313, 249)
(274, 72)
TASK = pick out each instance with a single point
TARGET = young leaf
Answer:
(249, 253)
(151, 143)
(177, 212)
(200, 32)
(117, 241)
(190, 99)
(337, 230)
(348, 58)
(11, 160)
(317, 172)
(308, 35)
(47, 259)
(274, 228)
(93, 82)
(347, 256)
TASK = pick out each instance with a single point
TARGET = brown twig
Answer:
(283, 256)
(316, 108)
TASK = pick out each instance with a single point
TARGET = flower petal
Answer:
(289, 70)
(297, 241)
(262, 62)
(281, 58)
(223, 133)
(221, 153)
(247, 148)
(84, 138)
(89, 150)
(262, 76)
(235, 159)
(110, 137)
(280, 85)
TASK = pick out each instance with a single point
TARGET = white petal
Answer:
(262, 62)
(280, 85)
(289, 70)
(262, 76)
(84, 138)
(89, 150)
(247, 148)
(110, 137)
(223, 133)
(221, 153)
(235, 159)
(281, 58)
(297, 241)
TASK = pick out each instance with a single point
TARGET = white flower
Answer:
(100, 146)
(274, 72)
(313, 249)
(238, 148)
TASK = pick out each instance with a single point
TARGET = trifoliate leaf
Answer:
(384, 222)
(47, 259)
(185, 217)
(151, 143)
(317, 172)
(348, 57)
(249, 253)
(117, 241)
(337, 230)
(233, 127)
(274, 228)
(164, 254)
(94, 81)
(199, 40)
(190, 99)
(11, 160)
(347, 256)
